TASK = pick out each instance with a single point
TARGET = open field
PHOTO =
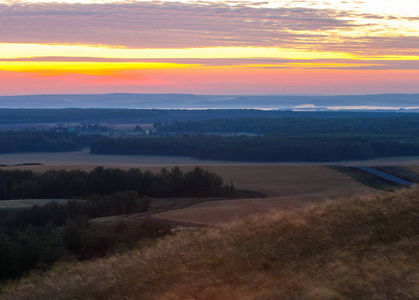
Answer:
(284, 181)
(285, 186)
(414, 168)
(272, 180)
(222, 213)
(366, 176)
(401, 172)
(83, 159)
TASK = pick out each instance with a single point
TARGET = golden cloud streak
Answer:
(85, 68)
(15, 51)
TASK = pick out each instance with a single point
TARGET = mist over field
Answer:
(190, 101)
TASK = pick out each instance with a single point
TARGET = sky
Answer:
(277, 47)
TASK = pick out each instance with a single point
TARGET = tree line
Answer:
(11, 141)
(406, 125)
(56, 184)
(282, 139)
(109, 115)
(264, 148)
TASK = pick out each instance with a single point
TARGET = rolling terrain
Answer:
(285, 186)
(360, 248)
(307, 225)
(126, 100)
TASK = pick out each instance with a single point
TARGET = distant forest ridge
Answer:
(283, 139)
(242, 139)
(400, 125)
(190, 101)
(136, 116)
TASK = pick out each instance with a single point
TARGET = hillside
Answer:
(349, 249)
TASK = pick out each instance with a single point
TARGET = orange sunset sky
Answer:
(209, 47)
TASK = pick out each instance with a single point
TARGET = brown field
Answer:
(223, 212)
(286, 186)
(272, 180)
(283, 180)
(84, 160)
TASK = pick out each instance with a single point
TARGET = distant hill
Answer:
(182, 101)
(135, 116)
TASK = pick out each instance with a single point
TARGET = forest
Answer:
(407, 125)
(40, 235)
(281, 139)
(62, 184)
(97, 115)
(37, 237)
(43, 141)
(264, 149)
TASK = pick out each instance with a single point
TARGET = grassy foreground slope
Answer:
(350, 249)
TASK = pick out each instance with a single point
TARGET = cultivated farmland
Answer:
(285, 187)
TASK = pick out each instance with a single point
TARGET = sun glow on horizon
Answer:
(40, 58)
(188, 45)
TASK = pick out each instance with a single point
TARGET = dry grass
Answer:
(223, 212)
(354, 249)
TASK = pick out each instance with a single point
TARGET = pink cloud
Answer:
(173, 25)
